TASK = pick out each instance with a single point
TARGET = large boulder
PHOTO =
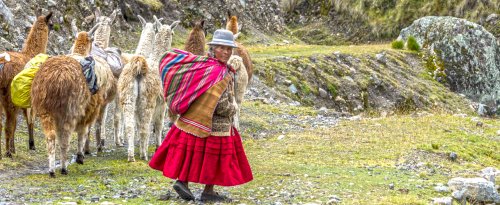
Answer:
(474, 189)
(469, 55)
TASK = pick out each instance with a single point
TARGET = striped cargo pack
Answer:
(186, 77)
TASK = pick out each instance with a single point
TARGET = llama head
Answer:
(104, 31)
(236, 62)
(232, 23)
(38, 37)
(199, 26)
(83, 40)
(145, 46)
(163, 38)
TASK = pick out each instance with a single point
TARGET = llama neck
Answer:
(145, 46)
(36, 42)
(161, 45)
(232, 25)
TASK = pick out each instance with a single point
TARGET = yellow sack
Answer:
(20, 88)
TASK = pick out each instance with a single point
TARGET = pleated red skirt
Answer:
(211, 160)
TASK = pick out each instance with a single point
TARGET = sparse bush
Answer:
(435, 146)
(57, 27)
(398, 44)
(412, 44)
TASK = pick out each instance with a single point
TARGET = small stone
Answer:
(94, 199)
(293, 89)
(479, 124)
(453, 156)
(322, 93)
(381, 58)
(442, 201)
(441, 188)
(281, 137)
(391, 186)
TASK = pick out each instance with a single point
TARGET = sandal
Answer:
(214, 197)
(183, 191)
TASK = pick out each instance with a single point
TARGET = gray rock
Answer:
(489, 174)
(469, 52)
(441, 188)
(442, 201)
(492, 18)
(293, 89)
(323, 93)
(94, 199)
(391, 186)
(381, 57)
(453, 156)
(6, 13)
(476, 189)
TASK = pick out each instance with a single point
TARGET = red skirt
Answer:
(211, 160)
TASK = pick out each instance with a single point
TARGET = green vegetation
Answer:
(153, 4)
(348, 160)
(412, 44)
(398, 44)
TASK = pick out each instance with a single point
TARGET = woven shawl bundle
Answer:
(186, 77)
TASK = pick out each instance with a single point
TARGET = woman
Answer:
(202, 146)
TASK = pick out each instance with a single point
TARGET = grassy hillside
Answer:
(375, 20)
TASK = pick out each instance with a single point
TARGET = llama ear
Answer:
(74, 29)
(157, 21)
(92, 31)
(143, 22)
(174, 24)
(97, 13)
(47, 18)
(202, 23)
(228, 15)
(240, 26)
(113, 15)
(235, 36)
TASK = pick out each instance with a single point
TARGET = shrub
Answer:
(56, 27)
(412, 44)
(398, 44)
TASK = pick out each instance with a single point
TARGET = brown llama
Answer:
(63, 102)
(232, 25)
(35, 43)
(195, 42)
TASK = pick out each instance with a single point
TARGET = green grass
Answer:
(355, 160)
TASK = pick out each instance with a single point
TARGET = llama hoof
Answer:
(32, 146)
(144, 158)
(99, 149)
(64, 171)
(52, 175)
(8, 154)
(119, 145)
(131, 159)
(79, 158)
(86, 152)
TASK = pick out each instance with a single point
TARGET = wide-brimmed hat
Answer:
(223, 37)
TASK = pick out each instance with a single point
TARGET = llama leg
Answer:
(129, 121)
(29, 121)
(159, 115)
(100, 128)
(144, 131)
(64, 137)
(82, 138)
(48, 126)
(86, 149)
(118, 125)
(1, 123)
(10, 129)
(237, 119)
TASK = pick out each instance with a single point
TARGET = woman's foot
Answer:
(183, 191)
(213, 197)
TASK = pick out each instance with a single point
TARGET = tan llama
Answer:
(35, 43)
(195, 42)
(141, 94)
(241, 51)
(63, 102)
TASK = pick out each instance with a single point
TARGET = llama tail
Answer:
(139, 65)
(5, 57)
